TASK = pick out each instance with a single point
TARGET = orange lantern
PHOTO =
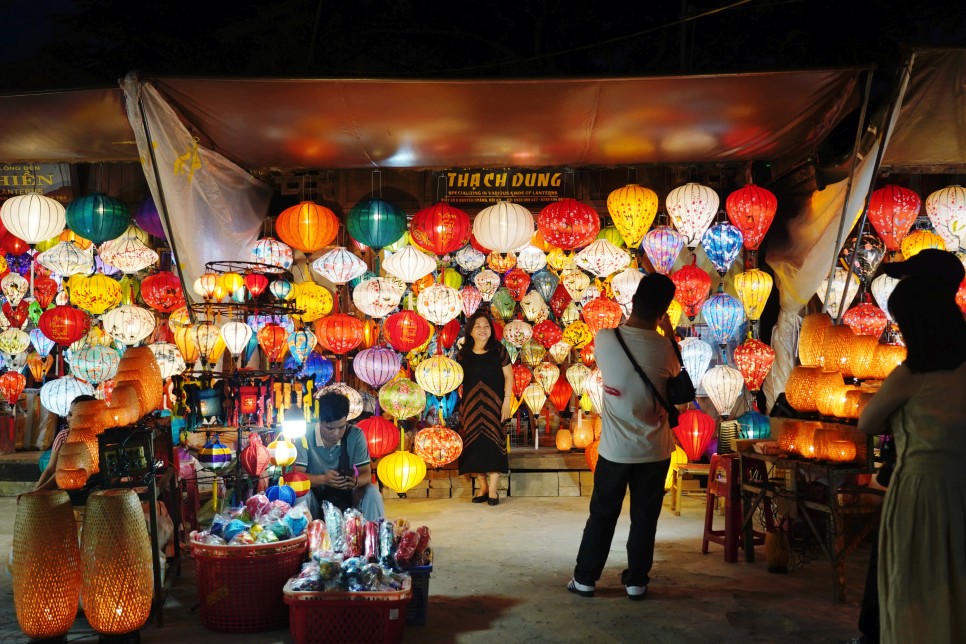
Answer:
(810, 337)
(886, 358)
(406, 330)
(437, 445)
(800, 388)
(563, 440)
(162, 292)
(583, 431)
(11, 386)
(590, 455)
(370, 333)
(601, 313)
(307, 226)
(339, 332)
(835, 348)
(39, 366)
(273, 339)
(560, 394)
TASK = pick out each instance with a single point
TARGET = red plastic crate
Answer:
(316, 617)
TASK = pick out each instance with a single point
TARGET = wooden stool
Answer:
(723, 482)
(678, 473)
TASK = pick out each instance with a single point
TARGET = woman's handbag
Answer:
(680, 385)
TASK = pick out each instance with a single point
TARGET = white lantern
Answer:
(503, 227)
(129, 324)
(133, 231)
(409, 264)
(236, 336)
(625, 285)
(14, 287)
(66, 259)
(57, 395)
(470, 259)
(127, 254)
(355, 398)
(517, 332)
(570, 314)
(41, 343)
(531, 259)
(560, 351)
(487, 282)
(575, 281)
(577, 376)
(14, 341)
(723, 385)
(272, 252)
(95, 363)
(838, 287)
(33, 218)
(439, 375)
(534, 307)
(14, 361)
(439, 304)
(546, 375)
(696, 356)
(377, 296)
(169, 359)
(946, 209)
(592, 293)
(535, 397)
(692, 208)
(339, 265)
(594, 388)
(882, 288)
(602, 258)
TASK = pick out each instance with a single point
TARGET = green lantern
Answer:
(376, 223)
(502, 305)
(402, 398)
(34, 311)
(98, 217)
(611, 234)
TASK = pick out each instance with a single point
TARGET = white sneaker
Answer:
(636, 593)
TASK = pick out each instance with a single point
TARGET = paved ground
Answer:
(500, 572)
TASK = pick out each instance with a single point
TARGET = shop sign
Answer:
(51, 179)
(515, 184)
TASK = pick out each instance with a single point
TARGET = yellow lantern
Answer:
(179, 319)
(921, 240)
(674, 312)
(560, 351)
(94, 294)
(753, 288)
(401, 471)
(532, 353)
(185, 340)
(534, 397)
(861, 353)
(577, 376)
(281, 452)
(451, 278)
(211, 344)
(810, 338)
(678, 457)
(586, 404)
(829, 388)
(314, 299)
(439, 375)
(560, 260)
(632, 208)
(578, 334)
(841, 451)
(231, 282)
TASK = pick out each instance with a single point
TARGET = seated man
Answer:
(337, 462)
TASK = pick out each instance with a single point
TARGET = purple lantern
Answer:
(376, 366)
(147, 218)
(662, 245)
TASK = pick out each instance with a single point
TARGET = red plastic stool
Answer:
(723, 481)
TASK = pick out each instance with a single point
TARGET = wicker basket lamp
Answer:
(125, 405)
(800, 388)
(828, 388)
(116, 563)
(861, 352)
(89, 415)
(810, 337)
(564, 440)
(88, 439)
(836, 341)
(73, 466)
(46, 564)
(583, 431)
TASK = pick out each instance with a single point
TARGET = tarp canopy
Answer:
(296, 124)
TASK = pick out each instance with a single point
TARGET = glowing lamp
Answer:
(272, 339)
(376, 366)
(272, 252)
(723, 385)
(754, 359)
(810, 338)
(236, 336)
(440, 229)
(591, 455)
(577, 376)
(517, 333)
(33, 218)
(401, 471)
(409, 264)
(563, 440)
(753, 287)
(532, 353)
(866, 319)
(406, 330)
(314, 300)
(692, 207)
(882, 288)
(892, 211)
(921, 240)
(560, 351)
(162, 292)
(754, 425)
(568, 224)
(694, 432)
(692, 285)
(886, 358)
(382, 436)
(307, 226)
(601, 313)
(299, 482)
(724, 315)
(437, 445)
(751, 209)
(503, 227)
(98, 217)
(402, 398)
(946, 210)
(517, 281)
(835, 299)
(560, 393)
(836, 341)
(722, 244)
(534, 307)
(64, 324)
(281, 452)
(129, 324)
(128, 254)
(439, 304)
(662, 245)
(546, 375)
(293, 423)
(841, 451)
(800, 388)
(439, 375)
(376, 223)
(469, 258)
(632, 208)
(531, 259)
(95, 363)
(602, 258)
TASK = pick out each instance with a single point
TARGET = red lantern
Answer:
(256, 283)
(751, 209)
(14, 245)
(255, 457)
(521, 378)
(65, 325)
(892, 211)
(17, 315)
(560, 394)
(11, 385)
(517, 281)
(370, 333)
(754, 359)
(339, 332)
(587, 354)
(568, 224)
(440, 229)
(961, 297)
(45, 289)
(560, 299)
(449, 333)
(866, 319)
(247, 399)
(695, 430)
(692, 286)
(547, 333)
(601, 313)
(307, 226)
(382, 437)
(162, 292)
(298, 481)
(498, 326)
(437, 445)
(406, 330)
(273, 339)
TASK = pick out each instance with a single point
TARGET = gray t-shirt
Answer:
(319, 459)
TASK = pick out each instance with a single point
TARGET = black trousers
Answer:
(869, 614)
(611, 481)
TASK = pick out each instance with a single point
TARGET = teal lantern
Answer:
(376, 223)
(98, 217)
(545, 283)
(502, 305)
(754, 425)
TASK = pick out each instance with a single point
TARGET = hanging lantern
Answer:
(568, 224)
(521, 378)
(440, 229)
(300, 344)
(270, 251)
(587, 353)
(339, 332)
(58, 395)
(753, 287)
(692, 285)
(602, 258)
(882, 288)
(751, 209)
(501, 262)
(376, 223)
(921, 240)
(545, 283)
(33, 218)
(471, 298)
(946, 209)
(402, 398)
(632, 208)
(128, 254)
(314, 300)
(662, 245)
(624, 285)
(371, 330)
(517, 333)
(866, 319)
(98, 217)
(547, 333)
(376, 366)
(95, 363)
(39, 367)
(535, 397)
(211, 345)
(724, 316)
(439, 375)
(532, 353)
(575, 281)
(169, 359)
(129, 324)
(560, 393)
(409, 264)
(487, 282)
(148, 218)
(838, 288)
(517, 281)
(272, 340)
(377, 297)
(722, 244)
(406, 330)
(94, 294)
(868, 254)
(694, 432)
(470, 259)
(401, 471)
(601, 313)
(14, 287)
(437, 445)
(534, 307)
(754, 359)
(184, 339)
(577, 334)
(256, 283)
(723, 385)
(503, 227)
(162, 292)
(439, 304)
(12, 384)
(577, 376)
(45, 289)
(281, 452)
(307, 226)
(546, 375)
(594, 389)
(14, 341)
(531, 259)
(692, 207)
(753, 425)
(382, 436)
(236, 336)
(892, 211)
(570, 314)
(611, 234)
(64, 324)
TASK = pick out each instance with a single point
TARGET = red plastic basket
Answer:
(316, 617)
(240, 587)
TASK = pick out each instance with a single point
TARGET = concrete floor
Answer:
(499, 576)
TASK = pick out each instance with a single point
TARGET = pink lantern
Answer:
(471, 299)
(662, 245)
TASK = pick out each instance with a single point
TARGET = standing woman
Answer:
(922, 539)
(486, 403)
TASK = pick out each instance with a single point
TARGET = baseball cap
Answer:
(939, 265)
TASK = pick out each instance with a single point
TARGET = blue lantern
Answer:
(754, 425)
(300, 343)
(723, 314)
(317, 367)
(376, 223)
(722, 242)
(98, 217)
(19, 263)
(41, 342)
(545, 283)
(281, 493)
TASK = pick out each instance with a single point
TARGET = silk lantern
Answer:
(866, 319)
(662, 245)
(300, 344)
(692, 285)
(64, 324)
(406, 330)
(751, 209)
(382, 436)
(33, 218)
(835, 299)
(129, 324)
(892, 211)
(723, 386)
(307, 226)
(920, 240)
(313, 300)
(692, 207)
(95, 363)
(14, 287)
(377, 297)
(532, 353)
(602, 258)
(882, 288)
(409, 264)
(402, 398)
(57, 395)
(98, 217)
(14, 341)
(95, 294)
(469, 259)
(66, 259)
(211, 344)
(632, 209)
(624, 285)
(722, 244)
(272, 252)
(236, 336)
(547, 333)
(299, 482)
(281, 452)
(272, 340)
(578, 335)
(169, 359)
(12, 384)
(534, 396)
(162, 292)
(531, 259)
(339, 332)
(437, 445)
(611, 234)
(694, 432)
(568, 224)
(575, 281)
(439, 375)
(517, 333)
(865, 254)
(724, 315)
(440, 229)
(401, 471)
(946, 209)
(517, 281)
(753, 287)
(545, 283)
(376, 366)
(128, 254)
(355, 398)
(439, 304)
(601, 313)
(185, 340)
(503, 227)
(546, 375)
(339, 265)
(39, 366)
(376, 223)
(501, 262)
(754, 359)
(594, 389)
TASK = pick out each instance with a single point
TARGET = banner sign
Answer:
(516, 184)
(50, 179)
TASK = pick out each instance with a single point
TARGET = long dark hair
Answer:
(468, 342)
(932, 325)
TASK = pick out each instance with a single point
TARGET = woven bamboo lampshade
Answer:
(819, 447)
(804, 438)
(841, 400)
(861, 352)
(887, 357)
(116, 563)
(90, 415)
(46, 564)
(564, 440)
(71, 478)
(827, 389)
(800, 388)
(841, 451)
(836, 341)
(788, 440)
(80, 451)
(125, 406)
(583, 431)
(855, 402)
(128, 378)
(810, 337)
